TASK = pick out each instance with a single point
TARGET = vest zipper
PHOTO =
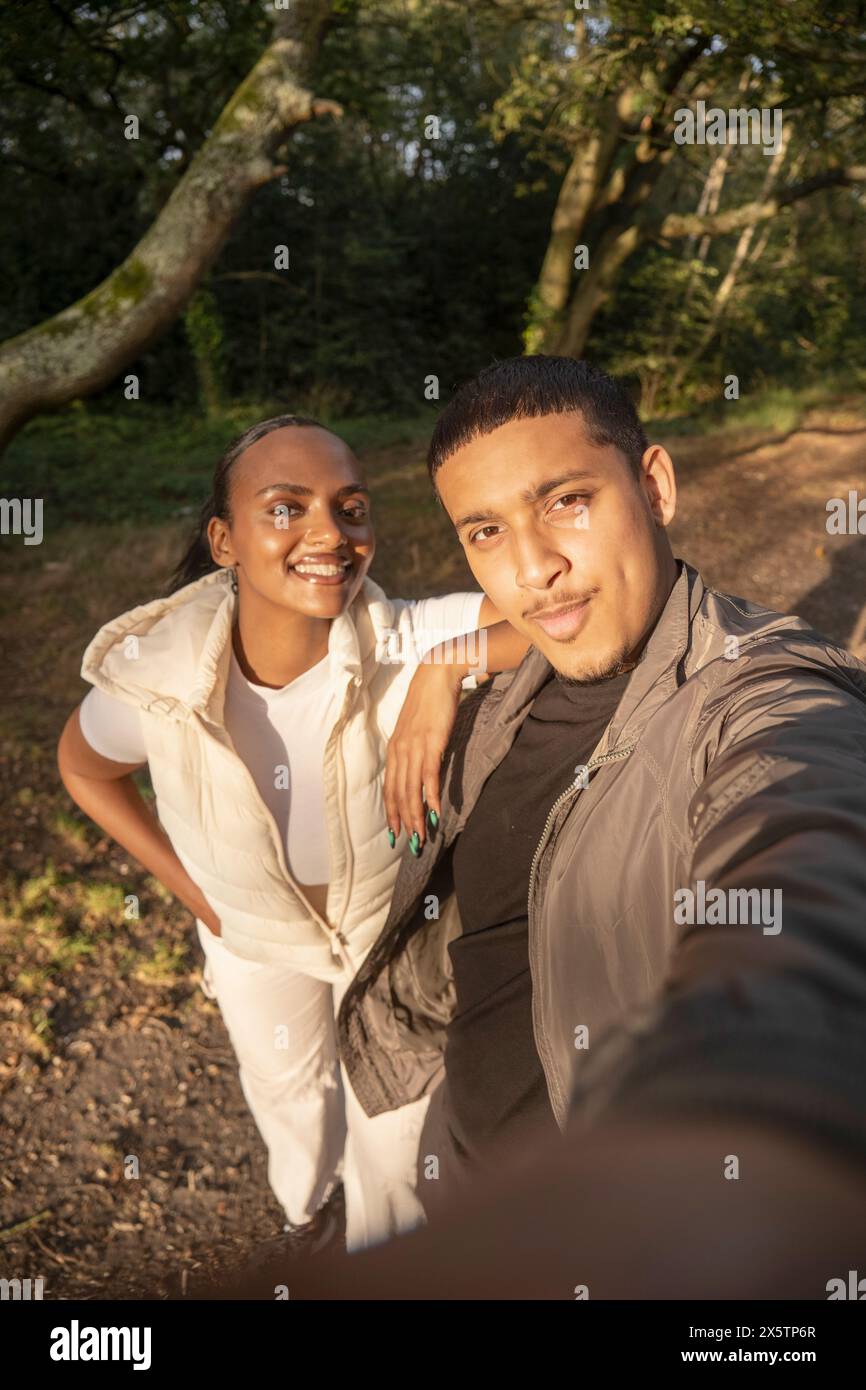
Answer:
(337, 736)
(540, 1041)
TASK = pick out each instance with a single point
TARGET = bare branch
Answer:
(734, 219)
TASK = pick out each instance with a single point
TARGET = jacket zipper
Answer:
(569, 791)
(613, 756)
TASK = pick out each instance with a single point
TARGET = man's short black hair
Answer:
(519, 387)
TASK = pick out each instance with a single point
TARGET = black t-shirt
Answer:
(494, 1087)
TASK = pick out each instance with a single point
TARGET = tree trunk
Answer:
(580, 188)
(604, 203)
(613, 210)
(608, 257)
(84, 347)
(614, 246)
(612, 173)
(623, 231)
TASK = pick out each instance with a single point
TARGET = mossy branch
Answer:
(82, 348)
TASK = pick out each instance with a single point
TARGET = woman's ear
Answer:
(219, 540)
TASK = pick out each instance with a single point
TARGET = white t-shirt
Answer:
(280, 734)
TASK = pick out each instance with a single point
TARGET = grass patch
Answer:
(165, 966)
(76, 832)
(50, 903)
(148, 462)
(778, 409)
(39, 893)
(31, 982)
(100, 903)
(41, 1038)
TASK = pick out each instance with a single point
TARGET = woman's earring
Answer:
(234, 576)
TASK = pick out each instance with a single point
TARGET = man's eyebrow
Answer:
(528, 495)
(303, 491)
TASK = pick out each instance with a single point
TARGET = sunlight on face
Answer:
(548, 521)
(299, 507)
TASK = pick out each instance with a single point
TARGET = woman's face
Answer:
(300, 533)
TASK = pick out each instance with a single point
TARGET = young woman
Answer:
(261, 693)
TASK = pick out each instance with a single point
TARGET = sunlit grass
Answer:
(778, 409)
(75, 832)
(165, 966)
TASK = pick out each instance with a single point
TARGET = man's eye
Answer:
(480, 534)
(572, 497)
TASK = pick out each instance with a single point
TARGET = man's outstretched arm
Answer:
(766, 1018)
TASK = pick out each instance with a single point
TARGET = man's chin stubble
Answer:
(616, 666)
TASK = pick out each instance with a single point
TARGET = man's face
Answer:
(551, 521)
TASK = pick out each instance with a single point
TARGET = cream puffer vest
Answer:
(171, 658)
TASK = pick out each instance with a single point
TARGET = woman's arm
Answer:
(426, 719)
(106, 793)
(511, 647)
(502, 646)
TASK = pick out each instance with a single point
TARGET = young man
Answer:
(646, 890)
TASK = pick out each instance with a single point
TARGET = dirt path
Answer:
(753, 520)
(109, 1052)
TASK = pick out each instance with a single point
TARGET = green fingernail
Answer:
(433, 818)
(392, 839)
(415, 843)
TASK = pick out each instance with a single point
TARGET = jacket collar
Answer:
(658, 672)
(172, 655)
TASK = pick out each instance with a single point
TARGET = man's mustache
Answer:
(557, 604)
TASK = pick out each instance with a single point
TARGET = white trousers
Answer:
(283, 1030)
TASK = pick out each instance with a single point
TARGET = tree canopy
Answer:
(432, 218)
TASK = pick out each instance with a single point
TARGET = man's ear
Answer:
(219, 539)
(659, 484)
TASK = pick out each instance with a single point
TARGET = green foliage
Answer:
(410, 255)
(165, 966)
(205, 334)
(153, 463)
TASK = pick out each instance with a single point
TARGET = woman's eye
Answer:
(290, 510)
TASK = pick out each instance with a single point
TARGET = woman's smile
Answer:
(330, 570)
